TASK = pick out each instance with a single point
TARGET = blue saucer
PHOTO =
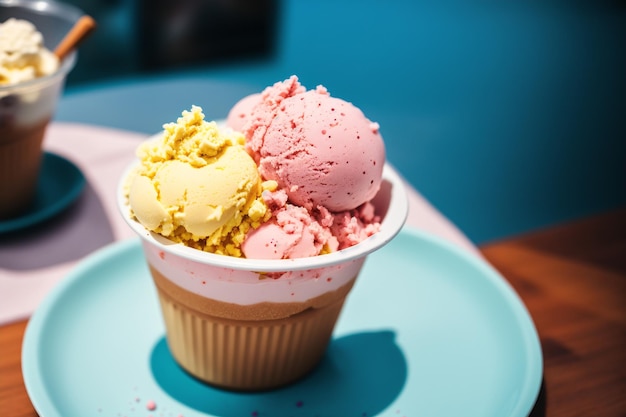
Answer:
(60, 183)
(428, 330)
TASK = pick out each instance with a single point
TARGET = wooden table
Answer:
(572, 278)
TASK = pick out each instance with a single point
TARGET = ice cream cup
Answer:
(26, 108)
(249, 324)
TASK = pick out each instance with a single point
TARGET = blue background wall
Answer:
(507, 116)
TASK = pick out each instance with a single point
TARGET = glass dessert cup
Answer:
(249, 324)
(26, 108)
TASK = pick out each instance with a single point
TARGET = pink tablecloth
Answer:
(102, 154)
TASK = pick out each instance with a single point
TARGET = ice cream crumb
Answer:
(151, 405)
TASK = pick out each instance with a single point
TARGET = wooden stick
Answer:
(81, 29)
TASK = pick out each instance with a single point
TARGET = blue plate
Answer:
(60, 183)
(427, 331)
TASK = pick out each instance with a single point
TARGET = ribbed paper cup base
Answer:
(20, 161)
(247, 355)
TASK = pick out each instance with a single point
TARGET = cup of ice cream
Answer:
(31, 80)
(254, 237)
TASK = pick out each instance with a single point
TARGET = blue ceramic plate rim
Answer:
(34, 347)
(54, 170)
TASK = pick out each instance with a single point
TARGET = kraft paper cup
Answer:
(27, 108)
(246, 324)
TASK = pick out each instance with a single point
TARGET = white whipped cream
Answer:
(23, 56)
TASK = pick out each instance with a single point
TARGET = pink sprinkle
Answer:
(255, 414)
(299, 404)
(151, 405)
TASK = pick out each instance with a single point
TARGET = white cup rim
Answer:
(392, 222)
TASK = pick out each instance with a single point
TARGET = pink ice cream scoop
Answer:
(241, 111)
(291, 233)
(294, 232)
(322, 150)
(327, 159)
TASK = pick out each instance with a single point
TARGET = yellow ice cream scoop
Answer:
(198, 185)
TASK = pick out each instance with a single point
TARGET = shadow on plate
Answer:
(70, 235)
(361, 374)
